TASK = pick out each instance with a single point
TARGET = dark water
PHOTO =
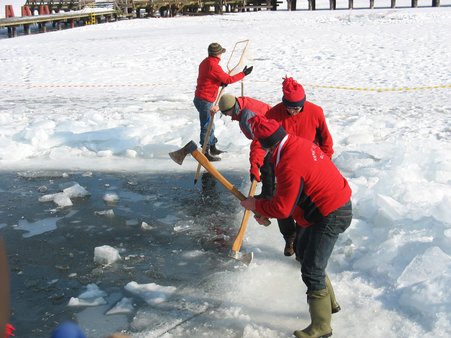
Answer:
(48, 269)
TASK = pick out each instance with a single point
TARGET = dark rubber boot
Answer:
(287, 228)
(289, 248)
(210, 156)
(215, 151)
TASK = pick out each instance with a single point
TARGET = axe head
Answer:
(179, 155)
(245, 258)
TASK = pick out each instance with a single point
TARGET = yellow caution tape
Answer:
(379, 90)
(82, 85)
(109, 85)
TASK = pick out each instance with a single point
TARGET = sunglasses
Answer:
(294, 109)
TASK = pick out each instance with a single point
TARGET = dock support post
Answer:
(312, 5)
(12, 32)
(9, 11)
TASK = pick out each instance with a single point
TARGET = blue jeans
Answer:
(314, 245)
(203, 107)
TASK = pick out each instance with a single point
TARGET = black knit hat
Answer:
(215, 49)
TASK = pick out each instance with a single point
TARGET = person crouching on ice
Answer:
(311, 190)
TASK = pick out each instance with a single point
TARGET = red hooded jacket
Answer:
(249, 108)
(308, 183)
(210, 78)
(310, 124)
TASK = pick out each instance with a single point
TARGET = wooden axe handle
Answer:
(203, 160)
(240, 235)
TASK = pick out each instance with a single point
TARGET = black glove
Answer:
(223, 85)
(247, 70)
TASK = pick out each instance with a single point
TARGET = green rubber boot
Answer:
(333, 301)
(320, 315)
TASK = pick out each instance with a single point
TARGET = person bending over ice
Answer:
(311, 190)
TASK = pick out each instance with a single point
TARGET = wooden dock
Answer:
(333, 4)
(69, 13)
(58, 20)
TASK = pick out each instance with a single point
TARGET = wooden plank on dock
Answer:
(36, 19)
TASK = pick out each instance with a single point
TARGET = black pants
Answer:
(315, 244)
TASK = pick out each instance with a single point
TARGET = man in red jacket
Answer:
(242, 109)
(311, 190)
(304, 119)
(210, 78)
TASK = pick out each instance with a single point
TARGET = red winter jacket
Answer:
(249, 108)
(210, 78)
(308, 183)
(310, 124)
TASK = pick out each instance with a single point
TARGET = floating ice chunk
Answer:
(76, 191)
(193, 253)
(46, 198)
(92, 291)
(106, 254)
(107, 213)
(181, 227)
(111, 198)
(87, 302)
(59, 198)
(146, 226)
(63, 199)
(123, 306)
(93, 296)
(151, 293)
(43, 189)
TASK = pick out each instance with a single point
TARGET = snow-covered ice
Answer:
(117, 97)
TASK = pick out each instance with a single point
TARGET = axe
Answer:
(235, 253)
(191, 148)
